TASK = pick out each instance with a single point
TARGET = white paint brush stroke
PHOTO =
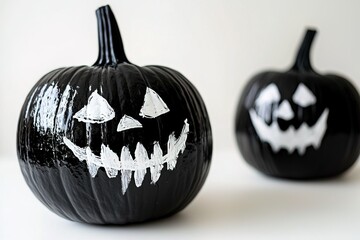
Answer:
(110, 161)
(290, 139)
(126, 160)
(67, 99)
(153, 105)
(126, 165)
(46, 107)
(97, 110)
(127, 122)
(303, 96)
(157, 166)
(141, 159)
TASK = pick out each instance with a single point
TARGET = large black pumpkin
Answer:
(114, 143)
(299, 124)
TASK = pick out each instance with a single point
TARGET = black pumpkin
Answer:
(299, 124)
(114, 143)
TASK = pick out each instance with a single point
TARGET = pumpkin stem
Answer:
(111, 49)
(302, 61)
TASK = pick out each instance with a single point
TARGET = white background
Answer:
(218, 45)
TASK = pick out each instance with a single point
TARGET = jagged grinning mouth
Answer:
(290, 139)
(127, 164)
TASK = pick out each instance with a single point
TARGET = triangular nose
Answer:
(284, 111)
(127, 122)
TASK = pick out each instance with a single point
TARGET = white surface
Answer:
(235, 203)
(217, 44)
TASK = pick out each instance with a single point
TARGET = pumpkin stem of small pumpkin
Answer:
(111, 49)
(302, 61)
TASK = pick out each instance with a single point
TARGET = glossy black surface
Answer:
(63, 183)
(340, 145)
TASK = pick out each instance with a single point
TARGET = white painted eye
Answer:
(97, 110)
(153, 105)
(303, 96)
(127, 122)
(268, 95)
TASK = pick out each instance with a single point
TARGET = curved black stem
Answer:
(302, 61)
(111, 49)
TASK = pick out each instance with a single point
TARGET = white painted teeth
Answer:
(126, 160)
(93, 161)
(290, 139)
(172, 157)
(110, 161)
(156, 168)
(141, 158)
(79, 152)
(126, 165)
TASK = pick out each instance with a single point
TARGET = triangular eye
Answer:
(268, 95)
(303, 96)
(153, 105)
(97, 110)
(127, 122)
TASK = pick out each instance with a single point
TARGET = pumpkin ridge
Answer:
(147, 84)
(200, 180)
(38, 89)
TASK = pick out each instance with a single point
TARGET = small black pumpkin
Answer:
(114, 143)
(299, 124)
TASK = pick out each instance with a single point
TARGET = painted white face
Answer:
(98, 111)
(291, 138)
